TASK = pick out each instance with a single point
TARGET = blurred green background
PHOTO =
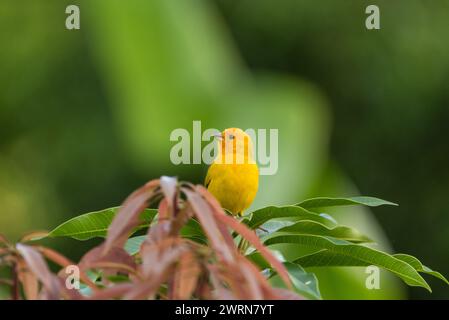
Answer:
(85, 115)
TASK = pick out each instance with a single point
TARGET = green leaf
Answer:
(344, 249)
(327, 258)
(85, 290)
(192, 230)
(315, 228)
(415, 263)
(95, 224)
(118, 278)
(304, 283)
(132, 245)
(259, 260)
(259, 217)
(334, 202)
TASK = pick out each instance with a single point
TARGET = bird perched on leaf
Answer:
(233, 177)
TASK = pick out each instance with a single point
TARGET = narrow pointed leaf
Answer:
(219, 239)
(315, 228)
(327, 258)
(37, 265)
(415, 263)
(259, 217)
(127, 218)
(252, 238)
(323, 202)
(355, 251)
(186, 276)
(95, 224)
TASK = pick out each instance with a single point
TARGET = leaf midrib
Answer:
(90, 231)
(364, 260)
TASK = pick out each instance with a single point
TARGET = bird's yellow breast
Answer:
(234, 185)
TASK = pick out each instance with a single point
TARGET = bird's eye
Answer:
(231, 136)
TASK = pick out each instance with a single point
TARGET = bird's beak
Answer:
(218, 136)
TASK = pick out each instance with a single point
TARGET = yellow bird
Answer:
(233, 177)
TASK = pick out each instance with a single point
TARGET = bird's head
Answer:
(237, 142)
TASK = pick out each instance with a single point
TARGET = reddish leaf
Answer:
(37, 265)
(69, 294)
(62, 261)
(159, 232)
(181, 218)
(157, 256)
(219, 291)
(217, 209)
(55, 256)
(144, 290)
(163, 210)
(28, 279)
(203, 289)
(149, 287)
(209, 197)
(186, 276)
(252, 238)
(128, 216)
(268, 291)
(254, 280)
(205, 216)
(246, 233)
(244, 279)
(116, 257)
